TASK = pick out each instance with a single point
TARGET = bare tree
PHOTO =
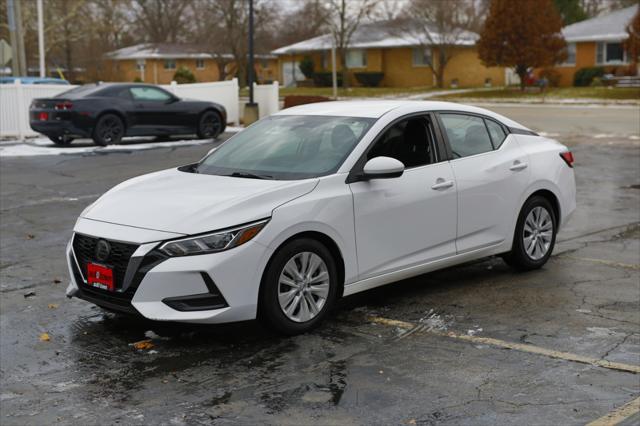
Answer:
(343, 19)
(441, 26)
(161, 20)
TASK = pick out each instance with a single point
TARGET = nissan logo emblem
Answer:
(103, 250)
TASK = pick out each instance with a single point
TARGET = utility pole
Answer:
(11, 17)
(251, 113)
(43, 71)
(20, 37)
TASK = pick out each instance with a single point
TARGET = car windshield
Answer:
(80, 91)
(287, 147)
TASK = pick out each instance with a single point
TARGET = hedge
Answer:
(369, 79)
(584, 76)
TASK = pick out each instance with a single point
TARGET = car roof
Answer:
(376, 109)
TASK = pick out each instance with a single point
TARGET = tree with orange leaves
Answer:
(522, 34)
(632, 44)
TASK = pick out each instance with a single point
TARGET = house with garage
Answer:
(396, 51)
(157, 63)
(597, 42)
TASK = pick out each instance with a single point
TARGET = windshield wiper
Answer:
(249, 175)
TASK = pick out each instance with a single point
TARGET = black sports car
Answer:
(106, 112)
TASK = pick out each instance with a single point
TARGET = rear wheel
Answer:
(61, 140)
(535, 235)
(109, 130)
(210, 125)
(300, 287)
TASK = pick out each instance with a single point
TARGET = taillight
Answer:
(567, 156)
(64, 106)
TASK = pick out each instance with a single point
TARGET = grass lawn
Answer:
(552, 93)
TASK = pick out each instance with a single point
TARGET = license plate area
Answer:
(100, 276)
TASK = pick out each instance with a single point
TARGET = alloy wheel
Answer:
(110, 130)
(537, 233)
(303, 286)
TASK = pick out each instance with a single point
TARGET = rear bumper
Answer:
(212, 288)
(58, 128)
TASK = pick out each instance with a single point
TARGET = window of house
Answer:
(610, 53)
(140, 64)
(200, 64)
(421, 56)
(326, 60)
(571, 54)
(151, 94)
(356, 58)
(497, 133)
(409, 141)
(169, 64)
(467, 134)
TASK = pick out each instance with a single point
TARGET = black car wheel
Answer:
(109, 130)
(535, 235)
(210, 125)
(61, 140)
(299, 288)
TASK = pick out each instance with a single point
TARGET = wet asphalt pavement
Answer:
(435, 365)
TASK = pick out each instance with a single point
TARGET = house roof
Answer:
(168, 51)
(378, 35)
(611, 27)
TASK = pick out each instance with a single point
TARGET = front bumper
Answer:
(211, 288)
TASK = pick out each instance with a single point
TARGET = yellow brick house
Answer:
(401, 55)
(597, 42)
(157, 63)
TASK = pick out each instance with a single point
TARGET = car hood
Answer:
(191, 203)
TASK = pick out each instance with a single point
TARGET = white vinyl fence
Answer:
(16, 98)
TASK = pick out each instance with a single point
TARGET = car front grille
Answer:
(84, 248)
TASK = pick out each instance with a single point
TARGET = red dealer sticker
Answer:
(99, 276)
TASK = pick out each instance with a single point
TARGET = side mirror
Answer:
(383, 168)
(172, 100)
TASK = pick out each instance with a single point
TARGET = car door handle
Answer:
(442, 184)
(517, 165)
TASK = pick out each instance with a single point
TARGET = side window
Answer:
(467, 134)
(149, 94)
(497, 133)
(410, 141)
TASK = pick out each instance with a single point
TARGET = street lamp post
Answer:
(251, 113)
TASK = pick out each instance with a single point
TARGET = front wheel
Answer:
(299, 288)
(535, 235)
(210, 125)
(109, 130)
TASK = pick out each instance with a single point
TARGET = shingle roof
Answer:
(602, 28)
(167, 50)
(377, 34)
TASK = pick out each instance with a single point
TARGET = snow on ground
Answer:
(43, 146)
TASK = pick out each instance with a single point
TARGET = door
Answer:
(409, 220)
(491, 173)
(155, 109)
(291, 73)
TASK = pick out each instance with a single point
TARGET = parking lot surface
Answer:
(473, 344)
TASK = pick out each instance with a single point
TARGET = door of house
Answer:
(291, 73)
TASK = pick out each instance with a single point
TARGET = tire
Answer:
(61, 140)
(535, 235)
(109, 130)
(321, 289)
(209, 125)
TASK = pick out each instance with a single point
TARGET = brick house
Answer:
(399, 54)
(597, 42)
(157, 63)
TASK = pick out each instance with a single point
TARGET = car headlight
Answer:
(213, 242)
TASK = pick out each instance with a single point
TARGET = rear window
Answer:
(79, 92)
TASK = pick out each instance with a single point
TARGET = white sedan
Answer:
(318, 202)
